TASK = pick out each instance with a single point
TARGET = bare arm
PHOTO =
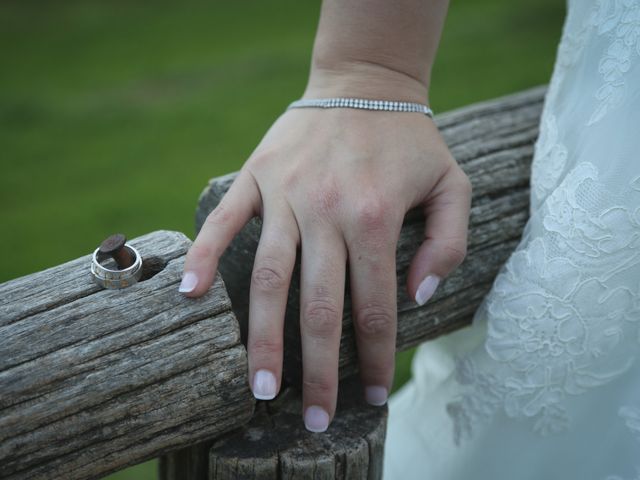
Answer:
(338, 183)
(376, 48)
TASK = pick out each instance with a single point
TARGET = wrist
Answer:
(364, 79)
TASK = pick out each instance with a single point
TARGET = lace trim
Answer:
(550, 161)
(564, 310)
(620, 19)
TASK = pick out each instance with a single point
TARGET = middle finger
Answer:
(323, 266)
(272, 269)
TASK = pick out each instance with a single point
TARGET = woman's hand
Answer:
(337, 182)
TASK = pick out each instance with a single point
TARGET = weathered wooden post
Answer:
(275, 444)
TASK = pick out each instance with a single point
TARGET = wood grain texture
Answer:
(275, 444)
(493, 142)
(94, 380)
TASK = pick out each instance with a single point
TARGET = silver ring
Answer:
(109, 278)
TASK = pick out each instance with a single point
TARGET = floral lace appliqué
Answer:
(620, 20)
(563, 313)
(550, 160)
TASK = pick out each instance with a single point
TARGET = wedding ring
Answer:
(113, 278)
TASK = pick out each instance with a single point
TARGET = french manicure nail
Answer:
(316, 419)
(264, 385)
(376, 395)
(189, 282)
(426, 289)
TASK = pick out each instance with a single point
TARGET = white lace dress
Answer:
(546, 382)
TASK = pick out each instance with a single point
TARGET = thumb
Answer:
(446, 210)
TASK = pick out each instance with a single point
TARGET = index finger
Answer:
(239, 205)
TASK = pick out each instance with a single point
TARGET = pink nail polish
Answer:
(375, 395)
(427, 289)
(316, 419)
(264, 385)
(189, 282)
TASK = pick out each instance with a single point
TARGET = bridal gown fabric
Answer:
(545, 384)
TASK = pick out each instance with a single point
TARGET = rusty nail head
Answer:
(114, 247)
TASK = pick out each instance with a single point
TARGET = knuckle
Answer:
(202, 252)
(373, 214)
(221, 215)
(382, 368)
(317, 387)
(455, 252)
(269, 275)
(262, 158)
(377, 371)
(375, 321)
(463, 184)
(265, 347)
(321, 318)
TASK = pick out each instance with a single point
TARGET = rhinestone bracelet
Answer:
(362, 103)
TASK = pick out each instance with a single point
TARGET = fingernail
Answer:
(316, 419)
(375, 395)
(264, 385)
(426, 289)
(189, 282)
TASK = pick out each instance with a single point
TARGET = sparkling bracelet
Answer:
(362, 103)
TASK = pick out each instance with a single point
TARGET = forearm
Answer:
(376, 48)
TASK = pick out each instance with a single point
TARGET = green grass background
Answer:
(114, 114)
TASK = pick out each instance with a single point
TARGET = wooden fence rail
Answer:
(94, 380)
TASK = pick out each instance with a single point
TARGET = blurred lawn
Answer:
(114, 114)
